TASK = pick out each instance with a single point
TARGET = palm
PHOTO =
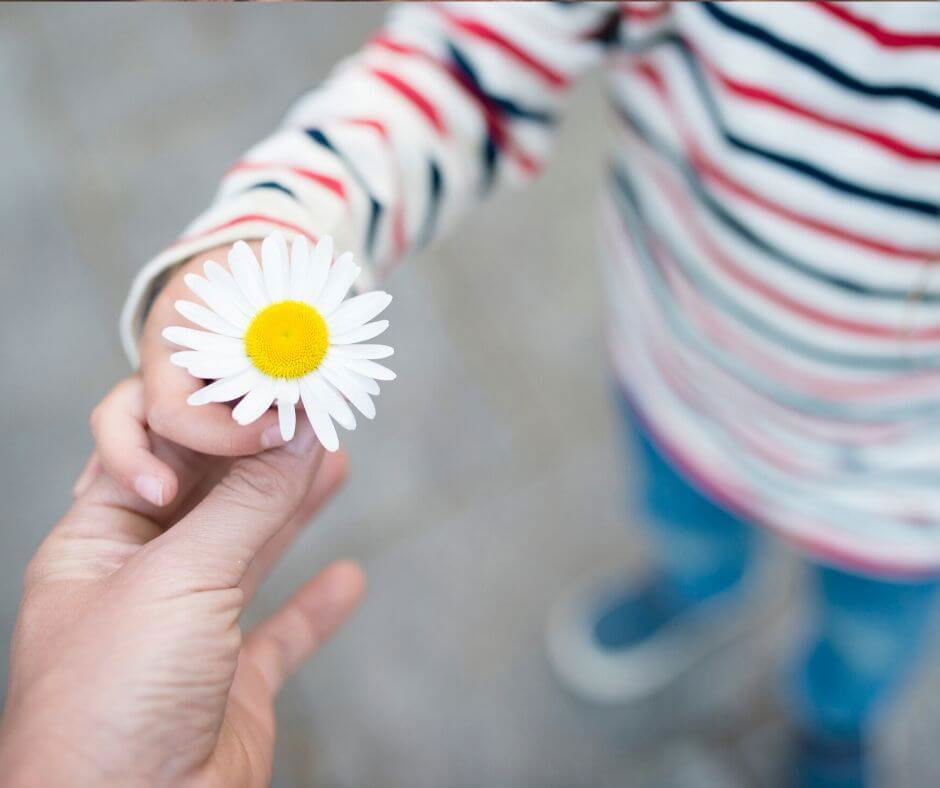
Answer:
(187, 699)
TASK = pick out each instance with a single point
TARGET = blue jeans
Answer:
(866, 632)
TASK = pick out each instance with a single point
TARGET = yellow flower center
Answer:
(287, 340)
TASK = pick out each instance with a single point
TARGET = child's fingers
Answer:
(209, 429)
(124, 447)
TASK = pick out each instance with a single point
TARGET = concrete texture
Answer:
(492, 477)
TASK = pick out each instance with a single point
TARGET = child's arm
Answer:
(445, 104)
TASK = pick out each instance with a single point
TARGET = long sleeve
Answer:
(444, 105)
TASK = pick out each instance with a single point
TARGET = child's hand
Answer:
(208, 429)
(156, 398)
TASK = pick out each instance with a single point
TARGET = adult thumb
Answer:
(258, 496)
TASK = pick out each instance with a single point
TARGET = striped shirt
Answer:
(771, 227)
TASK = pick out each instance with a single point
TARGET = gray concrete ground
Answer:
(492, 477)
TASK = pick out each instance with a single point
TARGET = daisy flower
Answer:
(284, 332)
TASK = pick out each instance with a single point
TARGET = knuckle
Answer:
(234, 639)
(253, 478)
(230, 443)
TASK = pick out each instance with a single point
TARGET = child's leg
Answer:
(868, 634)
(614, 640)
(698, 548)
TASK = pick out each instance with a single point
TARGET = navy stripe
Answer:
(511, 110)
(716, 296)
(792, 163)
(607, 34)
(506, 106)
(743, 231)
(776, 391)
(818, 63)
(489, 150)
(375, 207)
(272, 185)
(435, 193)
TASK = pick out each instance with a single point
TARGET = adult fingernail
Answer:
(271, 437)
(303, 441)
(150, 488)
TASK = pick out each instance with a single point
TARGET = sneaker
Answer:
(611, 643)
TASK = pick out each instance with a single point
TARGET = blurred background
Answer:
(492, 478)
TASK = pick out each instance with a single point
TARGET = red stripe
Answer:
(709, 169)
(248, 217)
(765, 358)
(376, 125)
(480, 30)
(333, 184)
(679, 382)
(645, 12)
(884, 37)
(754, 349)
(759, 285)
(763, 96)
(496, 125)
(419, 101)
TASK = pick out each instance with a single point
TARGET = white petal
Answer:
(368, 385)
(209, 365)
(217, 300)
(320, 262)
(203, 340)
(368, 368)
(331, 399)
(349, 388)
(183, 358)
(207, 319)
(286, 419)
(287, 390)
(255, 403)
(274, 265)
(342, 275)
(247, 275)
(357, 311)
(361, 334)
(225, 283)
(319, 420)
(227, 389)
(362, 351)
(299, 268)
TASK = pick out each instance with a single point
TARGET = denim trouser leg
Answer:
(699, 547)
(866, 637)
(867, 632)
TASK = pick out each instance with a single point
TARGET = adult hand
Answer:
(128, 665)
